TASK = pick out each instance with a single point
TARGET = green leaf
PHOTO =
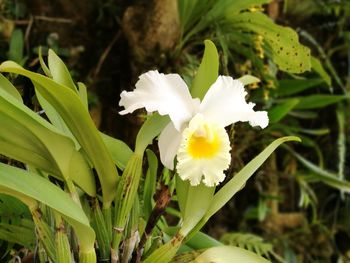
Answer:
(72, 110)
(16, 46)
(201, 241)
(19, 183)
(59, 71)
(318, 68)
(12, 209)
(282, 42)
(42, 63)
(292, 86)
(7, 86)
(83, 94)
(323, 175)
(54, 116)
(27, 137)
(225, 254)
(195, 208)
(207, 72)
(18, 234)
(118, 149)
(149, 130)
(278, 112)
(318, 101)
(239, 180)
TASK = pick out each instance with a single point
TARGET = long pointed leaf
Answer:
(23, 183)
(72, 110)
(27, 137)
(238, 181)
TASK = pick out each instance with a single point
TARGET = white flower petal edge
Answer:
(167, 94)
(204, 152)
(196, 133)
(168, 143)
(225, 103)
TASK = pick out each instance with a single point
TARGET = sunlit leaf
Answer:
(225, 254)
(7, 86)
(239, 180)
(59, 71)
(22, 183)
(207, 72)
(27, 137)
(68, 104)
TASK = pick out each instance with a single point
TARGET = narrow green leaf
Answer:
(54, 116)
(18, 234)
(239, 180)
(16, 46)
(7, 86)
(23, 183)
(292, 86)
(27, 137)
(71, 109)
(59, 71)
(149, 130)
(318, 101)
(83, 94)
(323, 175)
(207, 72)
(318, 68)
(278, 112)
(42, 63)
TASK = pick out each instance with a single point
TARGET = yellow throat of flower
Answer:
(203, 143)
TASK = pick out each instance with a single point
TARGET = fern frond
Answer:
(248, 241)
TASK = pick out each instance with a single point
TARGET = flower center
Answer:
(203, 143)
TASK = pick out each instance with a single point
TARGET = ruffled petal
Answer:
(225, 104)
(168, 143)
(204, 153)
(167, 94)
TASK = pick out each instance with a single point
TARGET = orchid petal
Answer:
(225, 104)
(168, 143)
(204, 151)
(167, 94)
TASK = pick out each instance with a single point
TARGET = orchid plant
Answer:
(75, 220)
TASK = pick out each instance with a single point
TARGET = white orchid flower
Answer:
(196, 133)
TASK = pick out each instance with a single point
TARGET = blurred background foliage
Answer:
(297, 208)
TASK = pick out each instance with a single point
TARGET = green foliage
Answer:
(242, 30)
(250, 242)
(68, 104)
